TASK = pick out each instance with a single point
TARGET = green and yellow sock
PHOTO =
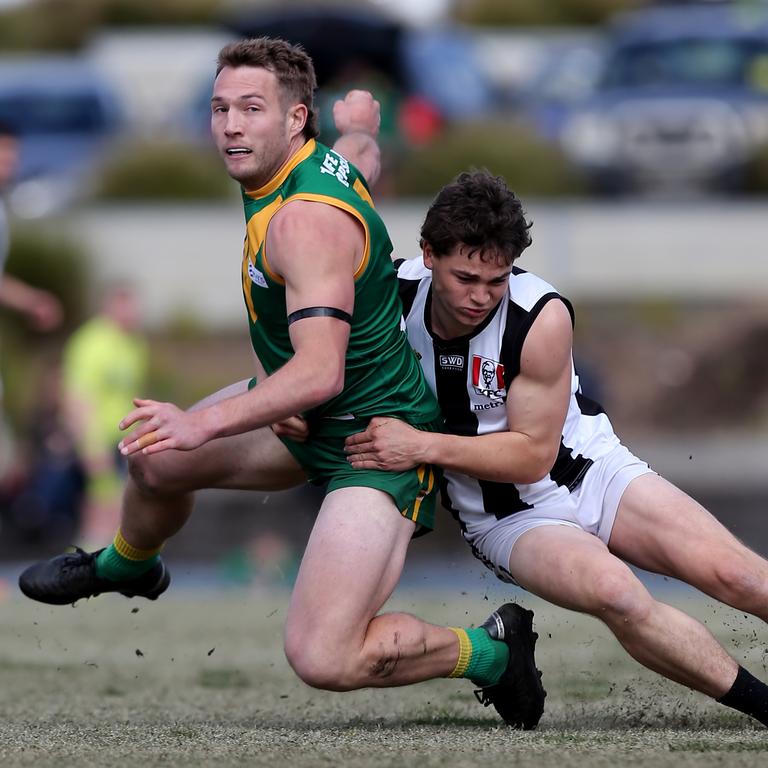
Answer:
(121, 562)
(481, 658)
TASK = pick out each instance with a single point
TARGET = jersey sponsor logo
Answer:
(452, 362)
(336, 165)
(487, 406)
(256, 276)
(488, 378)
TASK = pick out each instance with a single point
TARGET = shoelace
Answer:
(77, 559)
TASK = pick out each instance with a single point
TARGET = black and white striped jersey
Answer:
(470, 376)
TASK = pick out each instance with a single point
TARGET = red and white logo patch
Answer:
(488, 377)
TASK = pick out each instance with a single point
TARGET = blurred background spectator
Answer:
(104, 368)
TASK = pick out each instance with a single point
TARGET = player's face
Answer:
(254, 131)
(465, 289)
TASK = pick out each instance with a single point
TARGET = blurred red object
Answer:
(419, 120)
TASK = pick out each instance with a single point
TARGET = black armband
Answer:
(339, 314)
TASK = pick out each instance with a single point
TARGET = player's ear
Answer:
(297, 119)
(428, 254)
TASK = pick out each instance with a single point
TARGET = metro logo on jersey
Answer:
(488, 377)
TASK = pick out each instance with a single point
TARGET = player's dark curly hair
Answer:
(480, 211)
(290, 63)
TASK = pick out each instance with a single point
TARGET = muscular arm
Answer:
(315, 248)
(537, 403)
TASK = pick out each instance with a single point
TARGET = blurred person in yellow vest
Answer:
(105, 364)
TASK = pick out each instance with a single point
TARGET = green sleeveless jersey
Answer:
(382, 375)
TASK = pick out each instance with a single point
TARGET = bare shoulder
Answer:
(547, 347)
(307, 232)
(554, 318)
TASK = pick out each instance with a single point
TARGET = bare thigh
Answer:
(255, 460)
(574, 569)
(660, 528)
(569, 567)
(351, 565)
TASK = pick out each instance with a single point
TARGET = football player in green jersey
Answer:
(321, 296)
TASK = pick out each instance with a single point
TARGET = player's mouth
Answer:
(237, 151)
(474, 313)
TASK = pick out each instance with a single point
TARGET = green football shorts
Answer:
(323, 458)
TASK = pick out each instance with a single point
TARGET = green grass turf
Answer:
(202, 681)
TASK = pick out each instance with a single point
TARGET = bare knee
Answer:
(316, 663)
(147, 478)
(620, 599)
(740, 583)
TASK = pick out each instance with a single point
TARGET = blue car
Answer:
(65, 115)
(682, 103)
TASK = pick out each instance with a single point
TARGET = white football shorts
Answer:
(591, 507)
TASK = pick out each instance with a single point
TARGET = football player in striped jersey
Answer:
(545, 493)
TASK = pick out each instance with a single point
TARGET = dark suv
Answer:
(682, 104)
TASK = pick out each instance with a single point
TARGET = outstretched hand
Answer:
(388, 444)
(161, 426)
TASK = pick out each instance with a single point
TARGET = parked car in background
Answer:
(681, 104)
(64, 115)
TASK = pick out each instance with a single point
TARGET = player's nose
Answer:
(480, 296)
(233, 126)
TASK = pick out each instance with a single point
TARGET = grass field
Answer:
(193, 681)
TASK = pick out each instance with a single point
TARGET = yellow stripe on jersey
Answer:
(359, 187)
(247, 283)
(257, 235)
(334, 201)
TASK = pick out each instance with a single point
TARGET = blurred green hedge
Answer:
(69, 24)
(160, 171)
(509, 149)
(164, 171)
